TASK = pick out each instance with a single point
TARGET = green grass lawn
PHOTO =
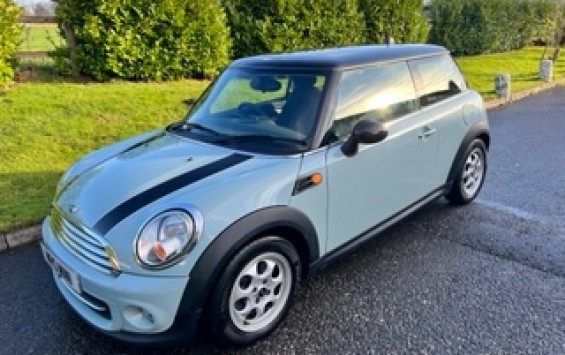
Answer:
(40, 37)
(521, 65)
(46, 126)
(46, 122)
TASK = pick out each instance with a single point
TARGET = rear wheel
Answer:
(469, 180)
(255, 292)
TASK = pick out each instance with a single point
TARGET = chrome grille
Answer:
(84, 244)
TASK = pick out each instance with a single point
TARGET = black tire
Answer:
(471, 176)
(274, 259)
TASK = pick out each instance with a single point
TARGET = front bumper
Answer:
(129, 307)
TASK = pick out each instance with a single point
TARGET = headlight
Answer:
(167, 237)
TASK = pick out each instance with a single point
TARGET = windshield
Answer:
(259, 110)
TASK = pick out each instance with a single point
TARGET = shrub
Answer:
(9, 35)
(463, 26)
(483, 26)
(286, 25)
(547, 17)
(401, 19)
(145, 39)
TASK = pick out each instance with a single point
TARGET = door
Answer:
(384, 178)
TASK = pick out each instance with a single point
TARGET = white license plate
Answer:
(69, 277)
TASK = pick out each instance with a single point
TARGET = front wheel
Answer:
(255, 292)
(470, 178)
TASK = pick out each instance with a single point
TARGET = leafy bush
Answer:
(401, 19)
(276, 25)
(286, 25)
(482, 26)
(547, 16)
(463, 26)
(144, 39)
(9, 34)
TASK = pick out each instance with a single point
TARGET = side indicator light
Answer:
(306, 182)
(160, 252)
(165, 249)
(316, 178)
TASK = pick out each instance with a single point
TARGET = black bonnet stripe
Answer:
(110, 219)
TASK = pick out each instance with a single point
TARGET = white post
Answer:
(502, 85)
(546, 70)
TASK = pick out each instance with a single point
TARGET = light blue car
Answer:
(284, 163)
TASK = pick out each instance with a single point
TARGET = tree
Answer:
(27, 10)
(44, 9)
(143, 39)
(9, 35)
(554, 29)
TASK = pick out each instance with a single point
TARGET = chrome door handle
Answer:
(427, 132)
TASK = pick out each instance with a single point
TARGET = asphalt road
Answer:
(489, 277)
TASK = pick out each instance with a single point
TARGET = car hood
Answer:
(123, 179)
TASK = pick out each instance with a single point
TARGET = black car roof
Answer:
(340, 57)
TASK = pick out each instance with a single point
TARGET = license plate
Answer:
(69, 277)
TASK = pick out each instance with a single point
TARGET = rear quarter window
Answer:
(436, 79)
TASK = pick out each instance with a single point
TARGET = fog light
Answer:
(139, 318)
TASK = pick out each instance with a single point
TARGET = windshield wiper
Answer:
(259, 137)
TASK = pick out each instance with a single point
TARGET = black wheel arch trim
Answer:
(478, 130)
(208, 268)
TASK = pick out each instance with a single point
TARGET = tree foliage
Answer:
(483, 26)
(145, 39)
(286, 25)
(43, 8)
(549, 16)
(403, 20)
(9, 35)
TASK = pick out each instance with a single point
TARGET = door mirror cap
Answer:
(364, 132)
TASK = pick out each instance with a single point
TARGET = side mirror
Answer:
(365, 132)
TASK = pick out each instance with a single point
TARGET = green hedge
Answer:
(146, 39)
(469, 27)
(166, 39)
(401, 19)
(9, 35)
(286, 25)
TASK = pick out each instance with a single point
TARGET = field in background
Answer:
(47, 121)
(39, 37)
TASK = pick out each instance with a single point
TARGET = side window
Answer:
(383, 92)
(436, 79)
